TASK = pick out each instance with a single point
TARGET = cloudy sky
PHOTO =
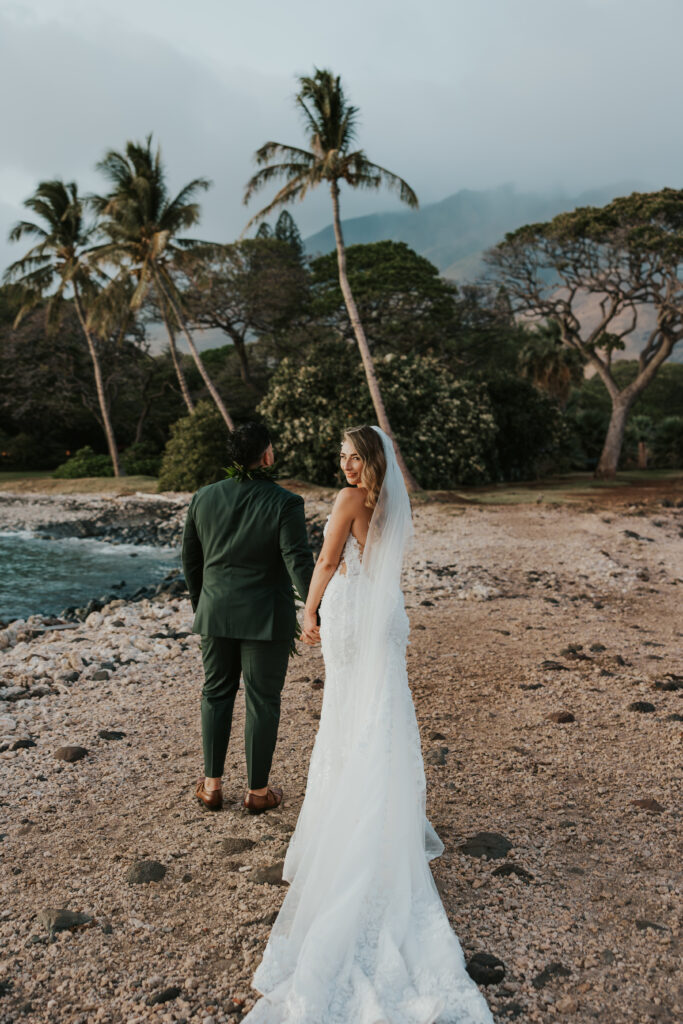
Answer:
(547, 94)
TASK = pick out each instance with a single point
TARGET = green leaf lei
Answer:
(236, 472)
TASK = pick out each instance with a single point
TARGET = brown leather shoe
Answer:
(257, 804)
(213, 800)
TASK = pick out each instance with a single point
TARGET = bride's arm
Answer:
(343, 513)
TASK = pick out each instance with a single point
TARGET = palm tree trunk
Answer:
(182, 380)
(368, 364)
(195, 354)
(99, 385)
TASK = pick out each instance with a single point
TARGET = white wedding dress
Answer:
(362, 936)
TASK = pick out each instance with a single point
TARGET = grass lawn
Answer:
(630, 485)
(36, 482)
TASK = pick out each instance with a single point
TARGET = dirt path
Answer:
(493, 593)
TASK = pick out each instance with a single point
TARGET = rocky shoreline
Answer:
(546, 665)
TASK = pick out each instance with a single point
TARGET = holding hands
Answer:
(310, 631)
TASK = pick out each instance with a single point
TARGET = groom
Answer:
(244, 545)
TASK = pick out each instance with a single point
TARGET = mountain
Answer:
(454, 232)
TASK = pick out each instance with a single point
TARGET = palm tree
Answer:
(548, 364)
(330, 123)
(59, 262)
(142, 223)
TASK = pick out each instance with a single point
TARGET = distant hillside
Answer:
(454, 233)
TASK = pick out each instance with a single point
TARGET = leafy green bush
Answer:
(532, 439)
(84, 462)
(195, 452)
(28, 451)
(667, 443)
(445, 427)
(140, 459)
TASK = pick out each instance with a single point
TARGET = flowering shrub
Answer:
(445, 427)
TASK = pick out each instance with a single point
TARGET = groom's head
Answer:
(249, 445)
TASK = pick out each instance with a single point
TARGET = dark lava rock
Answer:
(531, 686)
(554, 666)
(107, 928)
(317, 684)
(427, 604)
(561, 717)
(485, 969)
(101, 675)
(187, 877)
(237, 844)
(70, 677)
(71, 754)
(434, 735)
(641, 705)
(674, 717)
(110, 734)
(642, 924)
(596, 648)
(648, 804)
(145, 871)
(22, 744)
(5, 987)
(270, 875)
(513, 869)
(552, 970)
(62, 920)
(164, 996)
(669, 685)
(486, 844)
(436, 756)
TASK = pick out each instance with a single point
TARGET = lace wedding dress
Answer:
(362, 936)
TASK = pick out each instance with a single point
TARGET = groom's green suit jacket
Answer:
(244, 545)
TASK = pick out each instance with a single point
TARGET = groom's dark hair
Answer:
(247, 443)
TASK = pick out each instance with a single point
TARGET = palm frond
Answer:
(295, 189)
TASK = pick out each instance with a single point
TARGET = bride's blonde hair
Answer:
(368, 444)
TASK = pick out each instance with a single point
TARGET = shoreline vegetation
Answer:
(546, 666)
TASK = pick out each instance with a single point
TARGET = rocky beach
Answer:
(547, 672)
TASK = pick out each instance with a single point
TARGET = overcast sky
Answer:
(547, 94)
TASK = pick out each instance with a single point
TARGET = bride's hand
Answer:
(310, 631)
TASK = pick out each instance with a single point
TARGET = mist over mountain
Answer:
(454, 233)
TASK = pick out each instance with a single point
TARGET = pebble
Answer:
(70, 754)
(145, 871)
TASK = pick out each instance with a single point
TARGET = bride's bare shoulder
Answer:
(349, 499)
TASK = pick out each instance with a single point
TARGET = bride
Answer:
(362, 936)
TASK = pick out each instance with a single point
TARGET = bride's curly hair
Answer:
(368, 444)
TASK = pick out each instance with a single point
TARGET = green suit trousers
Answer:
(263, 666)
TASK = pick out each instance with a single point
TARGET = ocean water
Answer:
(45, 576)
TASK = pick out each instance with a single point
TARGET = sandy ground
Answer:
(517, 613)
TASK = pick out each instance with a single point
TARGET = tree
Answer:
(549, 364)
(330, 122)
(142, 225)
(58, 263)
(605, 275)
(250, 288)
(403, 302)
